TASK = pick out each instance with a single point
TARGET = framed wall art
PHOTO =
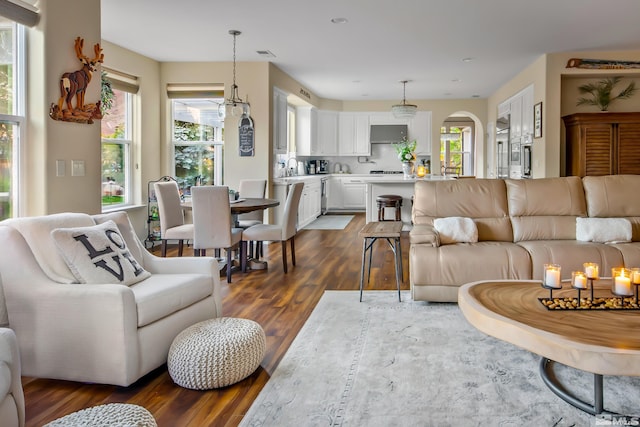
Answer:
(537, 120)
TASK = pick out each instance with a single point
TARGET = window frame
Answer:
(128, 144)
(217, 143)
(18, 119)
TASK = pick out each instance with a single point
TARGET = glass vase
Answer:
(408, 169)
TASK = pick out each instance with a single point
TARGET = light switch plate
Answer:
(77, 167)
(60, 168)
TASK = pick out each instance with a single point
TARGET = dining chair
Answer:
(252, 188)
(172, 225)
(283, 232)
(213, 225)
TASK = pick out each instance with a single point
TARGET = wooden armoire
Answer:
(602, 143)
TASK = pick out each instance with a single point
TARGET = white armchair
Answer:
(11, 395)
(100, 333)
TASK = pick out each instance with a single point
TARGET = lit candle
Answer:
(622, 285)
(636, 277)
(591, 271)
(580, 281)
(552, 277)
(422, 171)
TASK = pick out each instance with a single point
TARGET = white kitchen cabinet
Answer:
(353, 134)
(306, 133)
(310, 203)
(420, 130)
(279, 121)
(354, 194)
(515, 111)
(327, 133)
(527, 112)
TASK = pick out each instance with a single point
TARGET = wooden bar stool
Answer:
(390, 231)
(389, 201)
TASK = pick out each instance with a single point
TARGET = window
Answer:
(197, 139)
(116, 150)
(456, 148)
(12, 120)
(118, 139)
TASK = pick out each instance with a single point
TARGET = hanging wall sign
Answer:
(246, 141)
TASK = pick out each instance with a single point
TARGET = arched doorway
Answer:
(460, 144)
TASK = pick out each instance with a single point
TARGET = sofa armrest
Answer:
(10, 359)
(423, 234)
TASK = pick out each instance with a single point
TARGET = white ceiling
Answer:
(383, 42)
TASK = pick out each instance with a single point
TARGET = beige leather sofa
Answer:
(106, 333)
(521, 224)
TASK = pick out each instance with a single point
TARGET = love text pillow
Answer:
(98, 254)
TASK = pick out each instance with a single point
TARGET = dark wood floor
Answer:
(326, 260)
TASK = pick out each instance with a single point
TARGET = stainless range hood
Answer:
(388, 134)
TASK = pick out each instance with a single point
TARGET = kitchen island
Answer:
(378, 185)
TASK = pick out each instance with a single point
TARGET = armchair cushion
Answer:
(603, 230)
(98, 254)
(163, 294)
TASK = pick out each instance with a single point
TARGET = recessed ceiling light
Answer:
(339, 20)
(455, 80)
(467, 59)
(356, 81)
(475, 96)
(448, 94)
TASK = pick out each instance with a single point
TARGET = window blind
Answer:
(122, 81)
(195, 90)
(20, 12)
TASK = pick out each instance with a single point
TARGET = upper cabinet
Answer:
(520, 110)
(353, 134)
(420, 130)
(279, 121)
(306, 131)
(327, 132)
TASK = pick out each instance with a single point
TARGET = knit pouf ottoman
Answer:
(216, 353)
(111, 414)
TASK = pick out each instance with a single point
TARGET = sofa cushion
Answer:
(571, 255)
(36, 231)
(455, 229)
(483, 200)
(603, 230)
(611, 197)
(460, 263)
(545, 208)
(98, 254)
(163, 294)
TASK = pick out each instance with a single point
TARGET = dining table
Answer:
(241, 206)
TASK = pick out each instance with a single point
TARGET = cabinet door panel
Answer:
(629, 148)
(598, 149)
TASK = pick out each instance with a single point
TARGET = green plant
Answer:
(405, 150)
(106, 93)
(601, 92)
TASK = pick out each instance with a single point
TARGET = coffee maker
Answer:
(322, 166)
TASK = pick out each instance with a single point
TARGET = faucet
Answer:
(292, 171)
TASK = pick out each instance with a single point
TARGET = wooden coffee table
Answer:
(603, 342)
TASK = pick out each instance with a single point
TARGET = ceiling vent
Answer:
(265, 54)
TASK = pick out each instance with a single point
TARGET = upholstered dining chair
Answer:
(283, 232)
(252, 188)
(213, 226)
(172, 224)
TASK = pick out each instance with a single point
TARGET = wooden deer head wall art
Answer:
(73, 86)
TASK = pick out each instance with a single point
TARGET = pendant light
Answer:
(238, 106)
(404, 110)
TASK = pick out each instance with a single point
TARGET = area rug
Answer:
(330, 222)
(385, 363)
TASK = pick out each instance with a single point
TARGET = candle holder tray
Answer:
(598, 303)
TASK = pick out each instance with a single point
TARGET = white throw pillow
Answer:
(98, 254)
(603, 230)
(456, 229)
